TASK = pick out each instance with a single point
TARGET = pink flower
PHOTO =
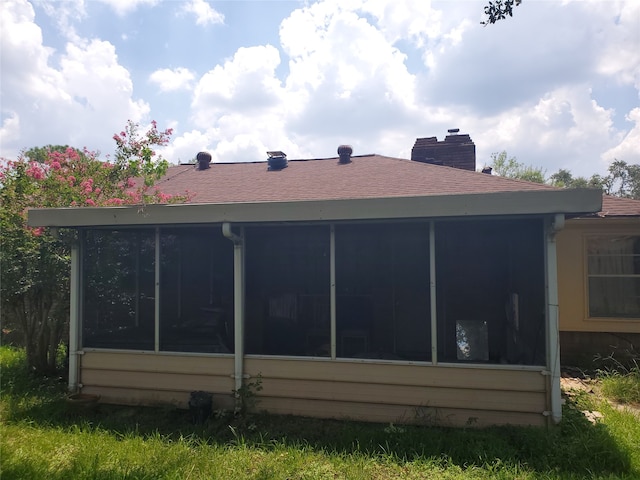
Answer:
(56, 165)
(38, 231)
(35, 171)
(114, 201)
(90, 202)
(71, 180)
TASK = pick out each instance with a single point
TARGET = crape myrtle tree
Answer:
(35, 262)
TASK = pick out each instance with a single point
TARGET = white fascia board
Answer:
(569, 201)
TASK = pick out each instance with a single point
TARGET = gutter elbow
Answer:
(228, 233)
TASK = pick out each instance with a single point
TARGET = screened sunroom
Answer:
(437, 308)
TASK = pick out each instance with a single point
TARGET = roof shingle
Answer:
(367, 176)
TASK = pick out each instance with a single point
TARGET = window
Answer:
(490, 291)
(614, 276)
(118, 275)
(196, 290)
(287, 290)
(382, 291)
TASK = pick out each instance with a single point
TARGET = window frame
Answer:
(587, 276)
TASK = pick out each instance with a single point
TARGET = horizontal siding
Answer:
(382, 392)
(158, 362)
(146, 378)
(134, 396)
(455, 395)
(397, 374)
(371, 412)
(405, 395)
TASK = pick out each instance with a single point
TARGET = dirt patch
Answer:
(572, 385)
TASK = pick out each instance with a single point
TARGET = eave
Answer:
(536, 202)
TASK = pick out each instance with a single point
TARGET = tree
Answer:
(511, 168)
(35, 263)
(564, 178)
(623, 180)
(499, 10)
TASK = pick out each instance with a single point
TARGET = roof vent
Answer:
(453, 131)
(487, 170)
(204, 159)
(345, 151)
(277, 160)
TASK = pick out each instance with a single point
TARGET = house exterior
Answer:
(362, 287)
(599, 284)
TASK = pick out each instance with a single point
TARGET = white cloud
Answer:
(10, 130)
(205, 14)
(628, 149)
(169, 80)
(246, 83)
(65, 14)
(123, 7)
(80, 101)
(184, 148)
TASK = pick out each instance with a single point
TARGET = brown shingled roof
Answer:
(619, 207)
(367, 176)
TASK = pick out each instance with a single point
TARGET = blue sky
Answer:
(556, 86)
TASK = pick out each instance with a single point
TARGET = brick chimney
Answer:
(457, 151)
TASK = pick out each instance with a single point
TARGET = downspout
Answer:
(238, 304)
(553, 338)
(74, 304)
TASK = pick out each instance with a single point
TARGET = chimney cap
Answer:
(453, 131)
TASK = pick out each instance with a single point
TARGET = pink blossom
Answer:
(90, 202)
(55, 165)
(114, 201)
(35, 171)
(38, 231)
(131, 183)
(97, 190)
(87, 186)
(71, 180)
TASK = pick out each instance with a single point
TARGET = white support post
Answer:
(74, 307)
(553, 338)
(432, 289)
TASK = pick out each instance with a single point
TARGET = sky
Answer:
(556, 86)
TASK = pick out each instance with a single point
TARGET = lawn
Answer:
(44, 438)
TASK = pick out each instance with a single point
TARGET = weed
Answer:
(247, 396)
(620, 382)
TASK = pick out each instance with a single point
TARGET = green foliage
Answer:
(510, 167)
(247, 395)
(621, 383)
(623, 179)
(34, 262)
(564, 179)
(499, 10)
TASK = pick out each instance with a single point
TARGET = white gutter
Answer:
(73, 317)
(553, 338)
(238, 305)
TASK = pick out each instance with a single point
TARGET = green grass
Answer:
(42, 437)
(621, 385)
